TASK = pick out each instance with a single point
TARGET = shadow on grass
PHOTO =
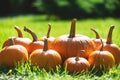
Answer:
(4, 69)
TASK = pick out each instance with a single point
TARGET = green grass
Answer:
(39, 25)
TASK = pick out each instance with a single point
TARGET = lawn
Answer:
(39, 25)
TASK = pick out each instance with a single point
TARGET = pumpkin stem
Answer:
(109, 37)
(34, 36)
(18, 31)
(11, 41)
(101, 49)
(78, 54)
(72, 30)
(49, 29)
(45, 48)
(96, 33)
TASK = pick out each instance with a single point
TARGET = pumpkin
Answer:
(12, 54)
(97, 40)
(101, 59)
(18, 40)
(76, 64)
(50, 39)
(35, 44)
(69, 45)
(111, 47)
(45, 58)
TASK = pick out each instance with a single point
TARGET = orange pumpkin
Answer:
(97, 40)
(76, 64)
(69, 45)
(35, 44)
(12, 54)
(50, 39)
(18, 40)
(44, 58)
(101, 59)
(113, 48)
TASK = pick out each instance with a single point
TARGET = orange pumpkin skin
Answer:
(20, 41)
(78, 66)
(35, 45)
(115, 50)
(97, 40)
(45, 59)
(98, 43)
(50, 41)
(68, 47)
(101, 59)
(111, 47)
(10, 55)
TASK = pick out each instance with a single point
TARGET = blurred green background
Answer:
(62, 9)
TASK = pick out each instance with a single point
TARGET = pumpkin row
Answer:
(76, 52)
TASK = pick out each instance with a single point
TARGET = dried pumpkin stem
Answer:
(45, 48)
(96, 33)
(78, 54)
(101, 49)
(73, 28)
(18, 31)
(109, 37)
(34, 36)
(49, 29)
(11, 41)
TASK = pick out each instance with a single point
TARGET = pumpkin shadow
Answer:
(6, 70)
(98, 71)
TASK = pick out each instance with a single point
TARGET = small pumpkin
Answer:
(50, 39)
(18, 40)
(97, 40)
(76, 64)
(111, 47)
(35, 44)
(69, 45)
(101, 59)
(12, 54)
(44, 58)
